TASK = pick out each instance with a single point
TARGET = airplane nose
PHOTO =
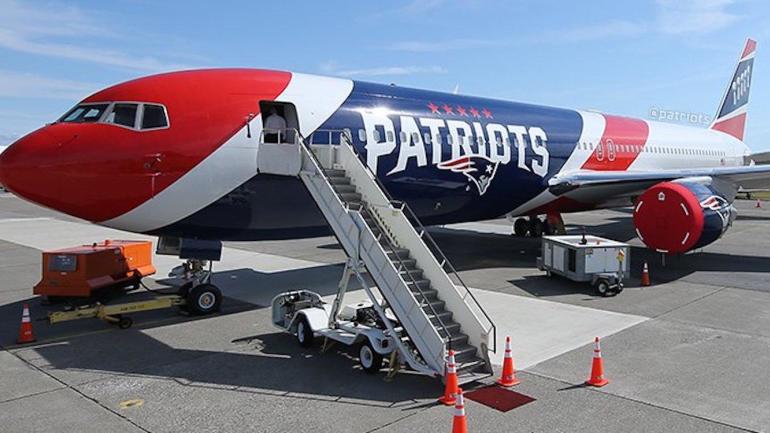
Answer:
(23, 166)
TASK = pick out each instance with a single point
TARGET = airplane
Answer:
(175, 155)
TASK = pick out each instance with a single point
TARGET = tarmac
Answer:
(691, 353)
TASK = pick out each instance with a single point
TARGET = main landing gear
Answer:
(535, 227)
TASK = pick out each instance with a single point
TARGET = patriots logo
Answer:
(477, 168)
(720, 206)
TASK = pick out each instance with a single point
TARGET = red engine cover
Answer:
(669, 218)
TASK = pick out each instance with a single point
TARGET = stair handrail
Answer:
(300, 140)
(443, 261)
(402, 266)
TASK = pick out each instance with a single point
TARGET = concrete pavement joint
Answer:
(593, 389)
(82, 394)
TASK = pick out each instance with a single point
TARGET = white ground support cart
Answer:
(304, 314)
(584, 258)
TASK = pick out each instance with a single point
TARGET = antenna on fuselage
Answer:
(456, 91)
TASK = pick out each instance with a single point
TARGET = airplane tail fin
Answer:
(731, 116)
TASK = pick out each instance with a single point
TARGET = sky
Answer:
(629, 58)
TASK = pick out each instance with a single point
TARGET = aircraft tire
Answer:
(536, 227)
(204, 299)
(520, 227)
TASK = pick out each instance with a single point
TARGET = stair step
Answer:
(416, 273)
(470, 364)
(459, 339)
(409, 263)
(452, 327)
(464, 352)
(430, 294)
(351, 197)
(421, 284)
(443, 316)
(339, 180)
(334, 172)
(344, 188)
(402, 253)
(437, 304)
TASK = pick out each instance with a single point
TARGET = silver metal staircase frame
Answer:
(364, 247)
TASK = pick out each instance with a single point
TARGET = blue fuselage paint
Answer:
(520, 146)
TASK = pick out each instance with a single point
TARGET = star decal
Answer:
(486, 113)
(474, 112)
(461, 111)
(433, 108)
(447, 109)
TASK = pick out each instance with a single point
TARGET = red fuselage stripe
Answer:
(621, 143)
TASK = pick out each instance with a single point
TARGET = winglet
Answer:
(731, 116)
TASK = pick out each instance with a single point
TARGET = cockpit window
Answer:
(134, 115)
(123, 114)
(85, 113)
(154, 117)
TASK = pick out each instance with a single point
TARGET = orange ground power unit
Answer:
(78, 271)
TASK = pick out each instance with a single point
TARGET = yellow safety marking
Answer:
(131, 403)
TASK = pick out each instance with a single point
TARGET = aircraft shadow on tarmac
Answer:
(243, 289)
(270, 363)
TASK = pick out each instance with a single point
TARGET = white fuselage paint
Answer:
(235, 162)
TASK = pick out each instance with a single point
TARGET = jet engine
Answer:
(676, 217)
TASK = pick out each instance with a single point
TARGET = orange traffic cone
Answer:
(450, 391)
(645, 275)
(508, 378)
(459, 424)
(759, 203)
(25, 331)
(597, 368)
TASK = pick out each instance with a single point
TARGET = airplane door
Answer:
(151, 165)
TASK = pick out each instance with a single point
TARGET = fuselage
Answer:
(197, 177)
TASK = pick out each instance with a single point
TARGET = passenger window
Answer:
(439, 141)
(376, 136)
(449, 139)
(123, 114)
(426, 138)
(415, 137)
(402, 136)
(361, 135)
(154, 117)
(391, 136)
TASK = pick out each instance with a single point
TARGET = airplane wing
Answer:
(615, 184)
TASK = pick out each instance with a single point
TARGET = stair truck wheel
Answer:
(305, 336)
(204, 299)
(370, 360)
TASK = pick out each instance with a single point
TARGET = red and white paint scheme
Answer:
(176, 155)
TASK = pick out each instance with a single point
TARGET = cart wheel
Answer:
(520, 227)
(125, 322)
(603, 288)
(305, 336)
(204, 299)
(370, 360)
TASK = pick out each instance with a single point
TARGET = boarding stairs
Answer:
(435, 310)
